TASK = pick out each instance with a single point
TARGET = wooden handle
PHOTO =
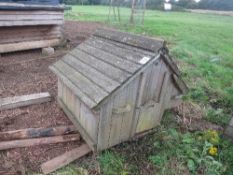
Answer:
(122, 110)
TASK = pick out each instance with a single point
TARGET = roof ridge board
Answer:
(88, 89)
(142, 42)
(86, 99)
(125, 46)
(104, 81)
(103, 46)
(106, 64)
(113, 63)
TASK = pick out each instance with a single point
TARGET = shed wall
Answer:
(80, 115)
(117, 115)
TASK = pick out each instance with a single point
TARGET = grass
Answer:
(203, 47)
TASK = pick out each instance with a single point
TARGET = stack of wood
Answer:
(40, 136)
(24, 27)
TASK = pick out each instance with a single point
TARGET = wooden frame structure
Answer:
(26, 26)
(117, 85)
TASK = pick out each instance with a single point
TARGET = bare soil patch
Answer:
(27, 72)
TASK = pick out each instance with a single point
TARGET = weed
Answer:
(112, 164)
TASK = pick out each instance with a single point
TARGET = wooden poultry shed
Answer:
(116, 85)
(30, 24)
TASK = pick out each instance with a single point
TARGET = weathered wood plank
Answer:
(38, 141)
(68, 83)
(130, 55)
(97, 77)
(82, 131)
(169, 61)
(66, 158)
(36, 132)
(82, 83)
(179, 83)
(89, 121)
(21, 17)
(127, 47)
(104, 125)
(27, 45)
(155, 59)
(35, 38)
(103, 67)
(25, 100)
(134, 40)
(118, 62)
(31, 6)
(30, 23)
(31, 12)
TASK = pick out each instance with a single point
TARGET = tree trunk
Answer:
(132, 12)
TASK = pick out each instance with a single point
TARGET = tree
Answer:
(189, 4)
(216, 4)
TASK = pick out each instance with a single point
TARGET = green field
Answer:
(202, 44)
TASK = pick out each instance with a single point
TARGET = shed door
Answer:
(151, 95)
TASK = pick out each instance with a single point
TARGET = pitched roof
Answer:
(101, 64)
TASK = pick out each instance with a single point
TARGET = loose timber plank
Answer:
(66, 158)
(36, 132)
(118, 62)
(25, 100)
(134, 40)
(97, 77)
(38, 141)
(101, 66)
(4, 48)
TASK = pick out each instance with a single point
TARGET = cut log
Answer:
(38, 141)
(64, 159)
(25, 100)
(37, 132)
(27, 45)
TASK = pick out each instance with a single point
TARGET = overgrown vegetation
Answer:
(202, 46)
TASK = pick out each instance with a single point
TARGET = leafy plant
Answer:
(217, 116)
(112, 164)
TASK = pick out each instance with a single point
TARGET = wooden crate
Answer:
(117, 85)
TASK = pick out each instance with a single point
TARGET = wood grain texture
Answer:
(85, 117)
(114, 60)
(101, 66)
(38, 141)
(78, 93)
(36, 132)
(92, 144)
(64, 159)
(27, 45)
(82, 83)
(95, 76)
(122, 52)
(25, 100)
(134, 40)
